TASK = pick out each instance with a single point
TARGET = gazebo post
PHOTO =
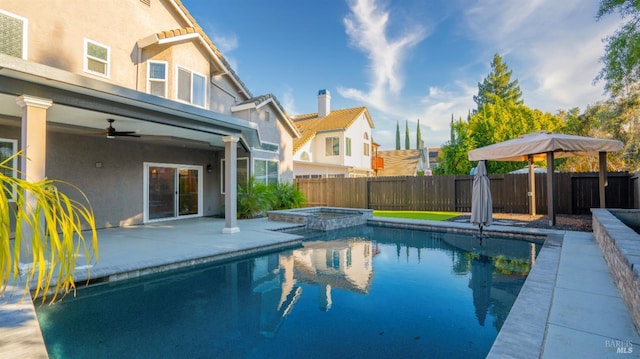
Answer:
(602, 180)
(551, 190)
(532, 187)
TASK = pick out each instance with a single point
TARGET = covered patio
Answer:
(61, 122)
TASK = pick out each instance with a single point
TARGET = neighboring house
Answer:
(434, 152)
(68, 67)
(333, 143)
(404, 162)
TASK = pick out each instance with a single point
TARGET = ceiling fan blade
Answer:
(111, 132)
(126, 134)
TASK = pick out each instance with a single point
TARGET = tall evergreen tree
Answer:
(407, 144)
(452, 138)
(397, 135)
(418, 137)
(498, 84)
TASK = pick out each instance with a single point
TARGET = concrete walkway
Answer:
(584, 315)
(588, 317)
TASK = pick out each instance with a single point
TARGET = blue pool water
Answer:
(363, 292)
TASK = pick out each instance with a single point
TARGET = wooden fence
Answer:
(576, 193)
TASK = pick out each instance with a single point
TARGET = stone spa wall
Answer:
(621, 248)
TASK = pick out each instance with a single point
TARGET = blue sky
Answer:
(409, 59)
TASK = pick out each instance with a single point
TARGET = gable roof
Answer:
(193, 30)
(400, 162)
(259, 101)
(337, 120)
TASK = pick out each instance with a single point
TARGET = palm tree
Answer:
(50, 231)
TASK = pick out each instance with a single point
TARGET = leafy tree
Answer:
(418, 136)
(621, 59)
(407, 145)
(397, 135)
(505, 120)
(498, 85)
(53, 228)
(453, 155)
(496, 122)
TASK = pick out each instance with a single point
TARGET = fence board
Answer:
(576, 193)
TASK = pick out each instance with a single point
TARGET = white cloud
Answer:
(226, 43)
(553, 47)
(288, 101)
(367, 27)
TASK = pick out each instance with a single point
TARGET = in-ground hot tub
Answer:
(323, 218)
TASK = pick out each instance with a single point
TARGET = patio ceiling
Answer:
(82, 105)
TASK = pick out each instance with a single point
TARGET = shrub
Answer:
(287, 195)
(254, 199)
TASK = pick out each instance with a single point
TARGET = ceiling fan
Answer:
(112, 133)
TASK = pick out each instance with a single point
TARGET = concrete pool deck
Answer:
(570, 293)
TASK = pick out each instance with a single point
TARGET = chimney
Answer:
(324, 103)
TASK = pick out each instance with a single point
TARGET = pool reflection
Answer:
(361, 275)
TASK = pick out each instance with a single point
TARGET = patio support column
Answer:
(230, 184)
(602, 180)
(532, 187)
(551, 190)
(33, 144)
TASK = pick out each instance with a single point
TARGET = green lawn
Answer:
(433, 216)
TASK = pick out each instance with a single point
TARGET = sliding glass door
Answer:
(172, 191)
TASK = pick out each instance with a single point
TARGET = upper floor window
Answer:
(347, 147)
(366, 149)
(366, 136)
(332, 146)
(96, 58)
(191, 87)
(305, 156)
(157, 78)
(270, 147)
(13, 35)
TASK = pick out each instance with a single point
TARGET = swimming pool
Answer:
(366, 291)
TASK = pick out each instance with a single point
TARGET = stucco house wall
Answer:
(357, 132)
(111, 171)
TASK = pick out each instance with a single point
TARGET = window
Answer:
(242, 171)
(366, 149)
(191, 87)
(13, 35)
(265, 171)
(305, 156)
(366, 136)
(332, 146)
(8, 149)
(96, 58)
(269, 147)
(157, 78)
(347, 147)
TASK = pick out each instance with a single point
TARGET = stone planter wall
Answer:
(621, 248)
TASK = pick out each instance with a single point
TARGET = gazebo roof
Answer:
(537, 144)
